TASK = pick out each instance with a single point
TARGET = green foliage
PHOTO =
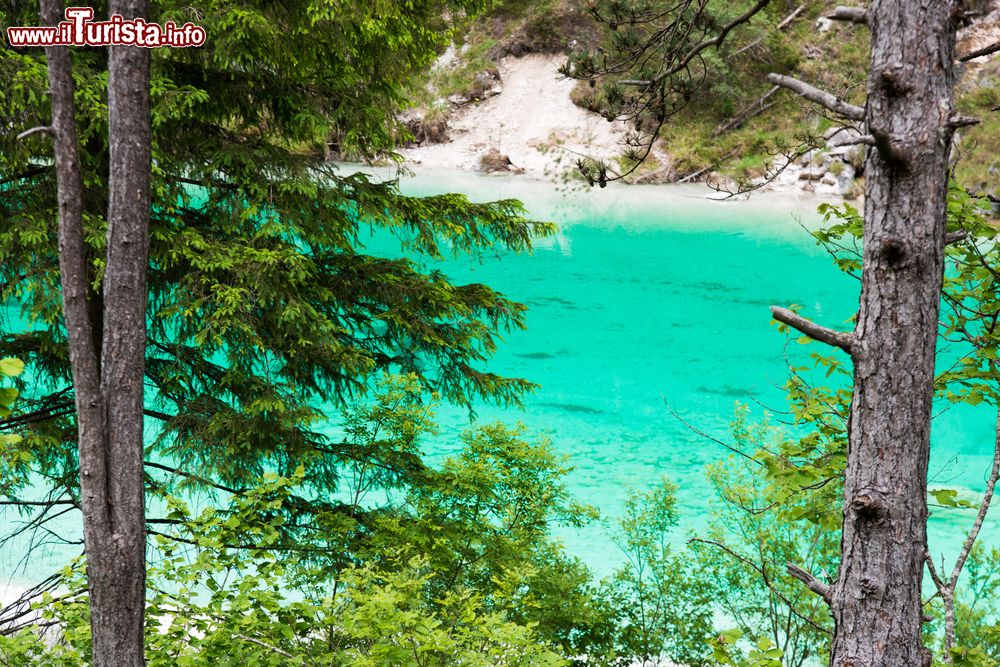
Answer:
(444, 565)
(266, 310)
(212, 604)
(663, 609)
(759, 526)
(693, 93)
(9, 367)
(762, 654)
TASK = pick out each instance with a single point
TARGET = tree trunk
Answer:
(876, 600)
(108, 380)
(117, 570)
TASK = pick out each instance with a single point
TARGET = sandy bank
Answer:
(533, 121)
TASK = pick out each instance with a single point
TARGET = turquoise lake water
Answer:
(655, 294)
(652, 295)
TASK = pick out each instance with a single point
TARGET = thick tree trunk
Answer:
(876, 600)
(108, 361)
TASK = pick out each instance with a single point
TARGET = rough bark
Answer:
(876, 600)
(107, 345)
(120, 575)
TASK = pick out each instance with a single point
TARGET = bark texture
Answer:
(876, 600)
(107, 340)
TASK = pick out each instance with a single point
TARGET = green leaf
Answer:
(11, 367)
(949, 498)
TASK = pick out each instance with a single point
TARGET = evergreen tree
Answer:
(265, 311)
(263, 305)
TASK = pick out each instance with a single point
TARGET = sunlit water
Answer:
(653, 296)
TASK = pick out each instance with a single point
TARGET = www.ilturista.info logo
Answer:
(79, 30)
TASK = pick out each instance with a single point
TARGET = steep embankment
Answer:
(496, 102)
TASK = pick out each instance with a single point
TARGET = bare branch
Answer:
(935, 577)
(749, 111)
(264, 644)
(839, 339)
(991, 483)
(849, 14)
(811, 582)
(821, 97)
(696, 431)
(46, 129)
(958, 121)
(863, 140)
(695, 174)
(749, 46)
(955, 237)
(762, 571)
(787, 21)
(979, 53)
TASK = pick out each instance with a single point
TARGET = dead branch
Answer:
(787, 21)
(696, 431)
(849, 14)
(764, 577)
(979, 53)
(863, 140)
(46, 129)
(756, 108)
(827, 100)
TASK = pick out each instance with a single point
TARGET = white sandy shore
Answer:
(533, 121)
(768, 212)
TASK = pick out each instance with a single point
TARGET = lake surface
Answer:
(655, 295)
(649, 296)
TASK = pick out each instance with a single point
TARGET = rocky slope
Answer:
(489, 106)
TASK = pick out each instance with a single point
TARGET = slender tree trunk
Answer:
(876, 601)
(120, 573)
(108, 379)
